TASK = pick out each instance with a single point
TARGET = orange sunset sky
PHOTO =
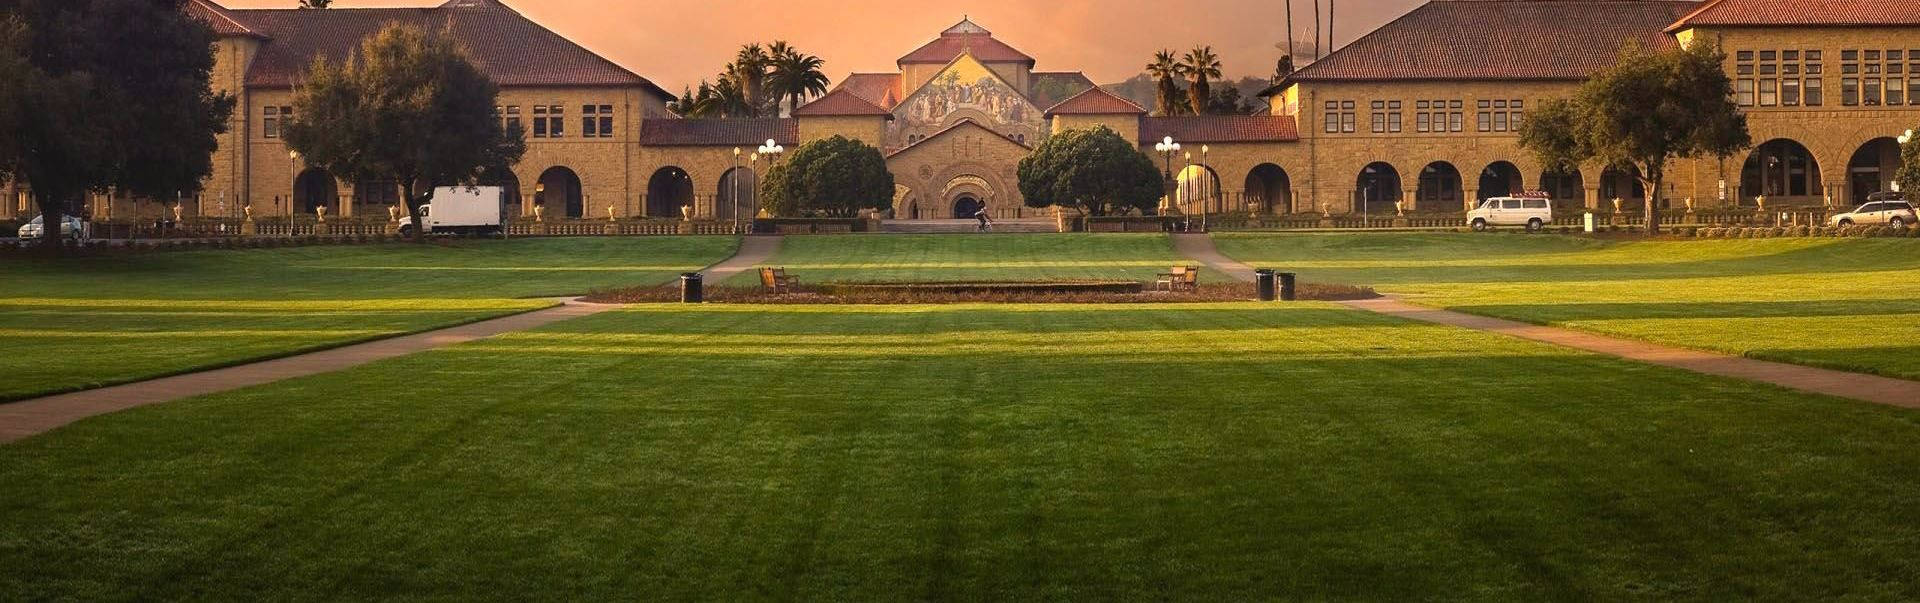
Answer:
(678, 43)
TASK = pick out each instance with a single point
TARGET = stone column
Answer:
(1593, 197)
(1468, 197)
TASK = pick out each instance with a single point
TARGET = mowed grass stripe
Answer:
(1849, 304)
(1299, 451)
(1012, 257)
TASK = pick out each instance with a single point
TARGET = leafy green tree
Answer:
(1094, 171)
(106, 95)
(1201, 66)
(1909, 174)
(406, 106)
(1646, 110)
(833, 177)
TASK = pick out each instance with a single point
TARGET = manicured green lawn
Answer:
(1006, 257)
(80, 323)
(1212, 452)
(1843, 303)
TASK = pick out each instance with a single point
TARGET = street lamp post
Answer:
(771, 150)
(1212, 190)
(293, 173)
(1167, 147)
(736, 190)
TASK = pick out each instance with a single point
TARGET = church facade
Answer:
(1413, 116)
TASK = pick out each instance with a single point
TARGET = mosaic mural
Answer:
(966, 89)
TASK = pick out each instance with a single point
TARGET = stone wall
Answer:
(968, 160)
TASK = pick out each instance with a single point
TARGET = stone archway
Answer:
(1197, 189)
(509, 186)
(1782, 170)
(990, 187)
(1500, 179)
(670, 189)
(1871, 169)
(738, 193)
(1439, 189)
(314, 189)
(558, 190)
(1269, 189)
(1377, 188)
(967, 195)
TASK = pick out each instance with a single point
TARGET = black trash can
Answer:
(1263, 281)
(1287, 281)
(692, 289)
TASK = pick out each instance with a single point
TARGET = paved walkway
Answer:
(1858, 386)
(26, 418)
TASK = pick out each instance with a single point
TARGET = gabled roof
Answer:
(718, 132)
(986, 71)
(966, 37)
(1802, 13)
(841, 102)
(882, 89)
(965, 123)
(1520, 40)
(1219, 128)
(222, 20)
(1096, 101)
(510, 48)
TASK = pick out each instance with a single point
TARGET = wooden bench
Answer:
(776, 281)
(1180, 278)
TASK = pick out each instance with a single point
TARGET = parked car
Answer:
(71, 228)
(1532, 210)
(1879, 209)
(464, 210)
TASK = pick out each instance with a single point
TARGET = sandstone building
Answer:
(1416, 113)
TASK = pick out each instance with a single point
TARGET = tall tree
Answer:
(1909, 174)
(315, 3)
(835, 177)
(749, 69)
(1201, 66)
(1646, 110)
(107, 95)
(1283, 69)
(796, 75)
(1288, 55)
(1096, 172)
(406, 106)
(1316, 31)
(1165, 68)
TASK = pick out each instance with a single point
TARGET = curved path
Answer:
(19, 420)
(1858, 386)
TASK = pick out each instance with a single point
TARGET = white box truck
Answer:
(464, 210)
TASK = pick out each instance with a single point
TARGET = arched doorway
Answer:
(966, 205)
(905, 207)
(1567, 187)
(1782, 170)
(1439, 189)
(1269, 189)
(739, 188)
(314, 189)
(1872, 167)
(670, 189)
(509, 189)
(1198, 190)
(1377, 188)
(1623, 185)
(559, 192)
(1500, 179)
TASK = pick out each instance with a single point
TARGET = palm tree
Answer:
(796, 75)
(1201, 65)
(749, 68)
(1167, 69)
(730, 100)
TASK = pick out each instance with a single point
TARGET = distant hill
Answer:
(1140, 88)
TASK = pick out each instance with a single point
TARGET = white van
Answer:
(1532, 210)
(464, 210)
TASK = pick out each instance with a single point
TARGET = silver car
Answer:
(1894, 212)
(71, 228)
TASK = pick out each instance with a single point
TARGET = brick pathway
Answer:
(26, 418)
(1858, 386)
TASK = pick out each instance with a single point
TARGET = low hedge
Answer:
(1769, 232)
(984, 287)
(809, 225)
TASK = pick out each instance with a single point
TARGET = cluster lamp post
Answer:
(1167, 147)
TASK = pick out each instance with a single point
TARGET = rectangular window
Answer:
(1769, 92)
(1814, 95)
(1913, 90)
(1379, 123)
(1422, 121)
(1813, 56)
(1346, 123)
(271, 121)
(557, 121)
(1790, 92)
(1744, 55)
(1393, 123)
(1896, 91)
(1870, 93)
(1499, 122)
(1767, 55)
(1850, 91)
(1457, 121)
(1743, 92)
(1333, 119)
(1790, 55)
(606, 121)
(590, 121)
(540, 121)
(513, 119)
(1485, 121)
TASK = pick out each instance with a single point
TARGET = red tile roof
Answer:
(966, 37)
(1219, 128)
(718, 132)
(1803, 13)
(841, 102)
(882, 89)
(1510, 40)
(965, 122)
(508, 47)
(1096, 101)
(223, 22)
